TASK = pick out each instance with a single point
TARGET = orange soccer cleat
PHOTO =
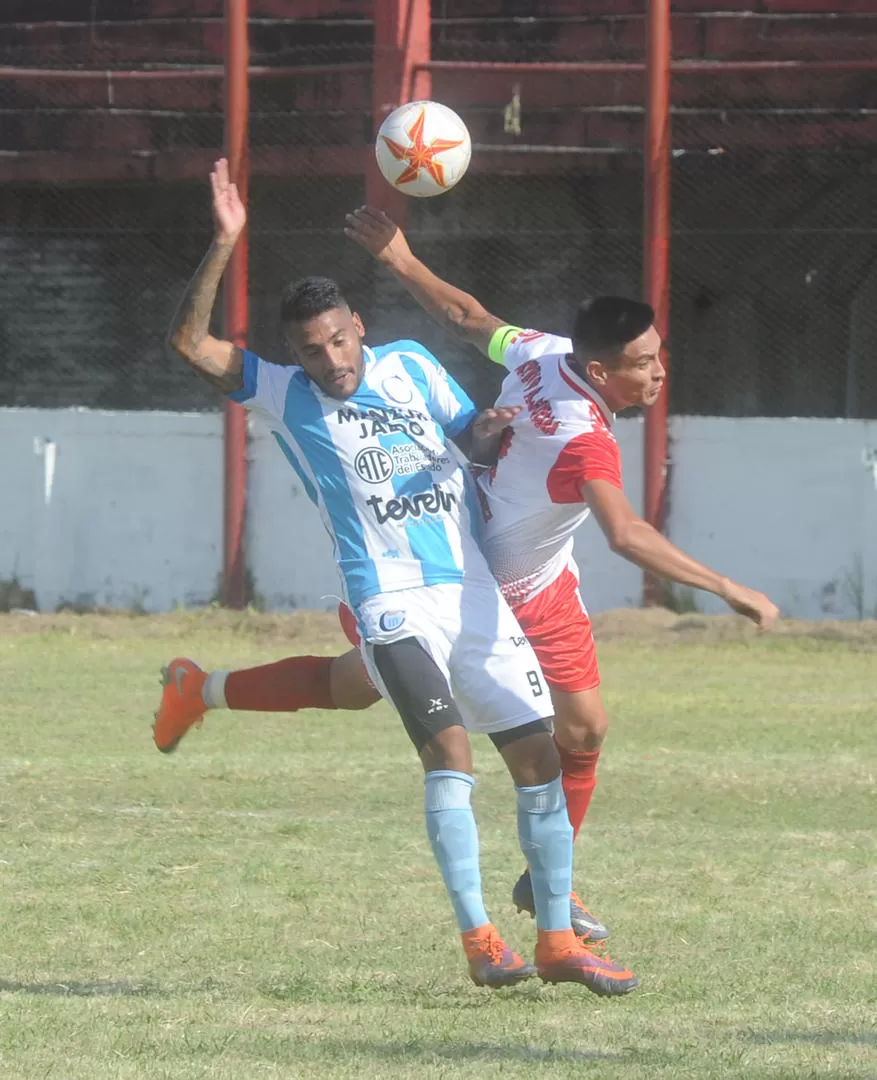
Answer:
(181, 703)
(491, 961)
(561, 957)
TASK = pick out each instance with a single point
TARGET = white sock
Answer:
(213, 693)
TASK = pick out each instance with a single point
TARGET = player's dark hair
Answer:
(311, 296)
(604, 325)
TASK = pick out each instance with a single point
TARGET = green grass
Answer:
(263, 904)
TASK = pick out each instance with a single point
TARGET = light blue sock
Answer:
(545, 835)
(450, 826)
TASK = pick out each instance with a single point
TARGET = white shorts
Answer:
(489, 668)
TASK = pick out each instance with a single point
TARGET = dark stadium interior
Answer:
(105, 212)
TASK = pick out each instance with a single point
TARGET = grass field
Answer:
(264, 904)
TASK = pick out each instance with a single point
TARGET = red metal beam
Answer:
(235, 313)
(421, 89)
(401, 53)
(161, 74)
(656, 259)
(620, 67)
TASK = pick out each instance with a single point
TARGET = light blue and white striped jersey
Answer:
(397, 503)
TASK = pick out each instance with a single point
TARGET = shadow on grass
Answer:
(468, 1051)
(815, 1038)
(100, 988)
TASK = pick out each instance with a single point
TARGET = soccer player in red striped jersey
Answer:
(559, 461)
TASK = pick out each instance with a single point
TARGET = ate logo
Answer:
(374, 465)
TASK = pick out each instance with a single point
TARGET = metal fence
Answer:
(774, 262)
(105, 211)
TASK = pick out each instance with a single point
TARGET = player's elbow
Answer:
(620, 540)
(465, 320)
(623, 536)
(458, 320)
(631, 538)
(182, 344)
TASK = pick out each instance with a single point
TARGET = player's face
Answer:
(635, 378)
(329, 348)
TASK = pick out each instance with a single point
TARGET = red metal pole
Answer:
(401, 53)
(656, 258)
(237, 106)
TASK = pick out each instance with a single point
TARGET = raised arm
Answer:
(452, 308)
(219, 362)
(636, 540)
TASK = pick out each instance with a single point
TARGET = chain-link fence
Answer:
(105, 207)
(98, 253)
(774, 261)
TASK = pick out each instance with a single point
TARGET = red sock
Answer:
(579, 778)
(299, 682)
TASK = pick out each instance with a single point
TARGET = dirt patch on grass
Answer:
(661, 626)
(313, 629)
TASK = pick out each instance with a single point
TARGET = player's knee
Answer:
(585, 738)
(349, 684)
(532, 759)
(447, 749)
(581, 723)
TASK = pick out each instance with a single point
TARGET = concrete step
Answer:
(617, 128)
(329, 91)
(200, 40)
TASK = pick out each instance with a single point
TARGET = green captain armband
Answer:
(500, 342)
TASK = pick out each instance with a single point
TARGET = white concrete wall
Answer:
(288, 550)
(787, 506)
(129, 513)
(118, 509)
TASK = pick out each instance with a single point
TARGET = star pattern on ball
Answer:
(419, 155)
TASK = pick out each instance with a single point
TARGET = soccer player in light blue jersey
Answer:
(366, 430)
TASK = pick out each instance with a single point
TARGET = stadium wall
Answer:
(123, 509)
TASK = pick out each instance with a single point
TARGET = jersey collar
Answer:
(573, 379)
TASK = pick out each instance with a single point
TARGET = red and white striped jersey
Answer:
(562, 438)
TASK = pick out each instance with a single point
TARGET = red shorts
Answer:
(557, 626)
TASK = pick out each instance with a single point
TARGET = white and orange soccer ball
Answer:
(423, 148)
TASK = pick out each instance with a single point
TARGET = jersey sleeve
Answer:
(449, 404)
(511, 346)
(592, 455)
(261, 385)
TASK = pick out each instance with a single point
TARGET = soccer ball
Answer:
(423, 148)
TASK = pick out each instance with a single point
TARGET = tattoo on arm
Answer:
(219, 362)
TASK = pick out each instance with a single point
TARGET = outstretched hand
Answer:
(490, 434)
(377, 233)
(229, 214)
(493, 422)
(753, 604)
